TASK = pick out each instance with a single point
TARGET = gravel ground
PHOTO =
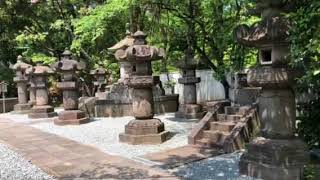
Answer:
(222, 167)
(14, 167)
(103, 133)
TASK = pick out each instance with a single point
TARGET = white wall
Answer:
(208, 89)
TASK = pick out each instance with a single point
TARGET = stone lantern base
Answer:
(275, 159)
(190, 111)
(71, 117)
(42, 112)
(149, 131)
(22, 108)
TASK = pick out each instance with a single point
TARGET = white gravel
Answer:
(14, 167)
(104, 134)
(223, 167)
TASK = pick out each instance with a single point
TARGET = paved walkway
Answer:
(182, 155)
(64, 158)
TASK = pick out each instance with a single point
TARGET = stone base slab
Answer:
(38, 112)
(190, 111)
(190, 115)
(22, 108)
(274, 159)
(144, 139)
(72, 117)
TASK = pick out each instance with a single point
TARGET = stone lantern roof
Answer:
(140, 52)
(67, 63)
(20, 65)
(39, 70)
(98, 71)
(269, 31)
(272, 29)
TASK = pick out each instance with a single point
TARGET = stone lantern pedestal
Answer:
(41, 109)
(278, 154)
(70, 91)
(189, 108)
(22, 81)
(144, 129)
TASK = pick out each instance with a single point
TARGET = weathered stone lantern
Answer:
(100, 82)
(144, 129)
(22, 81)
(189, 108)
(41, 109)
(69, 86)
(278, 154)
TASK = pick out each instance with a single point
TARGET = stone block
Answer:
(38, 112)
(144, 139)
(144, 127)
(68, 85)
(275, 159)
(244, 96)
(72, 117)
(22, 108)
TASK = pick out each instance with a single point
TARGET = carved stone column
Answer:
(144, 129)
(189, 108)
(22, 81)
(69, 86)
(41, 109)
(279, 154)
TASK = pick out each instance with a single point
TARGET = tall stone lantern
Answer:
(69, 86)
(144, 129)
(22, 81)
(41, 109)
(189, 108)
(279, 154)
(100, 82)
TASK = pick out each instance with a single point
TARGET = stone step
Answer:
(225, 117)
(222, 126)
(208, 143)
(215, 136)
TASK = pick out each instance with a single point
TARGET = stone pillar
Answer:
(144, 129)
(279, 154)
(32, 90)
(22, 80)
(69, 86)
(125, 71)
(41, 109)
(100, 82)
(189, 108)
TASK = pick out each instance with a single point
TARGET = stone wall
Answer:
(9, 104)
(209, 89)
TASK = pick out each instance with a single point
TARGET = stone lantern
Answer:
(278, 154)
(41, 109)
(22, 81)
(69, 86)
(100, 82)
(144, 129)
(189, 108)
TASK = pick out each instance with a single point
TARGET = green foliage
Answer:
(305, 51)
